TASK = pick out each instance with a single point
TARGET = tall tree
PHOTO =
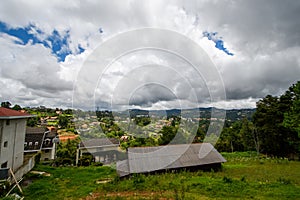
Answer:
(16, 107)
(292, 117)
(5, 104)
(271, 120)
(247, 137)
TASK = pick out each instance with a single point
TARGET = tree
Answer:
(168, 133)
(247, 137)
(273, 121)
(66, 152)
(63, 121)
(292, 117)
(33, 121)
(6, 104)
(230, 139)
(17, 107)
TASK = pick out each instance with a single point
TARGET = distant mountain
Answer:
(231, 115)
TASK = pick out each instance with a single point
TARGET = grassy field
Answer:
(244, 176)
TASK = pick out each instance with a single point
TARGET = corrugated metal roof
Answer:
(149, 159)
(37, 130)
(99, 142)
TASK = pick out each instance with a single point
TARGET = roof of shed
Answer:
(99, 142)
(149, 159)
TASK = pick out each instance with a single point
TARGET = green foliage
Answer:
(4, 188)
(16, 107)
(66, 152)
(63, 121)
(142, 121)
(33, 121)
(168, 133)
(86, 160)
(276, 119)
(5, 104)
(292, 117)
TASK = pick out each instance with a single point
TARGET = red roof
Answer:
(64, 138)
(6, 112)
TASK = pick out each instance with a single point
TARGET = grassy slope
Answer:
(243, 176)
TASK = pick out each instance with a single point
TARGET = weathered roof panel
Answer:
(99, 142)
(148, 159)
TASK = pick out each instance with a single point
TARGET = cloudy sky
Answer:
(48, 49)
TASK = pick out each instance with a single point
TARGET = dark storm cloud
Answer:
(151, 93)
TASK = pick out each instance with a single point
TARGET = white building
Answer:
(12, 137)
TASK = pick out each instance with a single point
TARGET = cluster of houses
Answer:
(19, 145)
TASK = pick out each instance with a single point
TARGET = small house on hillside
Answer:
(104, 150)
(170, 157)
(40, 139)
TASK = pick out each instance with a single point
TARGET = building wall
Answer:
(105, 154)
(47, 154)
(12, 135)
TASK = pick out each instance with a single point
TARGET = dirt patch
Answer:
(107, 180)
(132, 195)
(40, 173)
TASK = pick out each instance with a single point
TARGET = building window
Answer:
(5, 144)
(7, 122)
(30, 143)
(4, 165)
(36, 143)
(47, 141)
(25, 144)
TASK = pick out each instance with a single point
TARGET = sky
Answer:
(53, 53)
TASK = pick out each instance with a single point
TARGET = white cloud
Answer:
(264, 37)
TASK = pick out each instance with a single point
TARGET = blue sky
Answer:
(59, 44)
(219, 43)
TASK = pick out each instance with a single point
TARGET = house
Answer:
(41, 139)
(65, 138)
(104, 150)
(171, 157)
(50, 142)
(12, 137)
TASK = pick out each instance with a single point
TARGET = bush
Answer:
(85, 160)
(227, 180)
(4, 188)
(98, 164)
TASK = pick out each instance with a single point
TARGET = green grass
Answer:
(65, 182)
(244, 176)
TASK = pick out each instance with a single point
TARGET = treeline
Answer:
(273, 130)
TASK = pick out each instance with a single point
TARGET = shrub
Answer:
(227, 180)
(98, 164)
